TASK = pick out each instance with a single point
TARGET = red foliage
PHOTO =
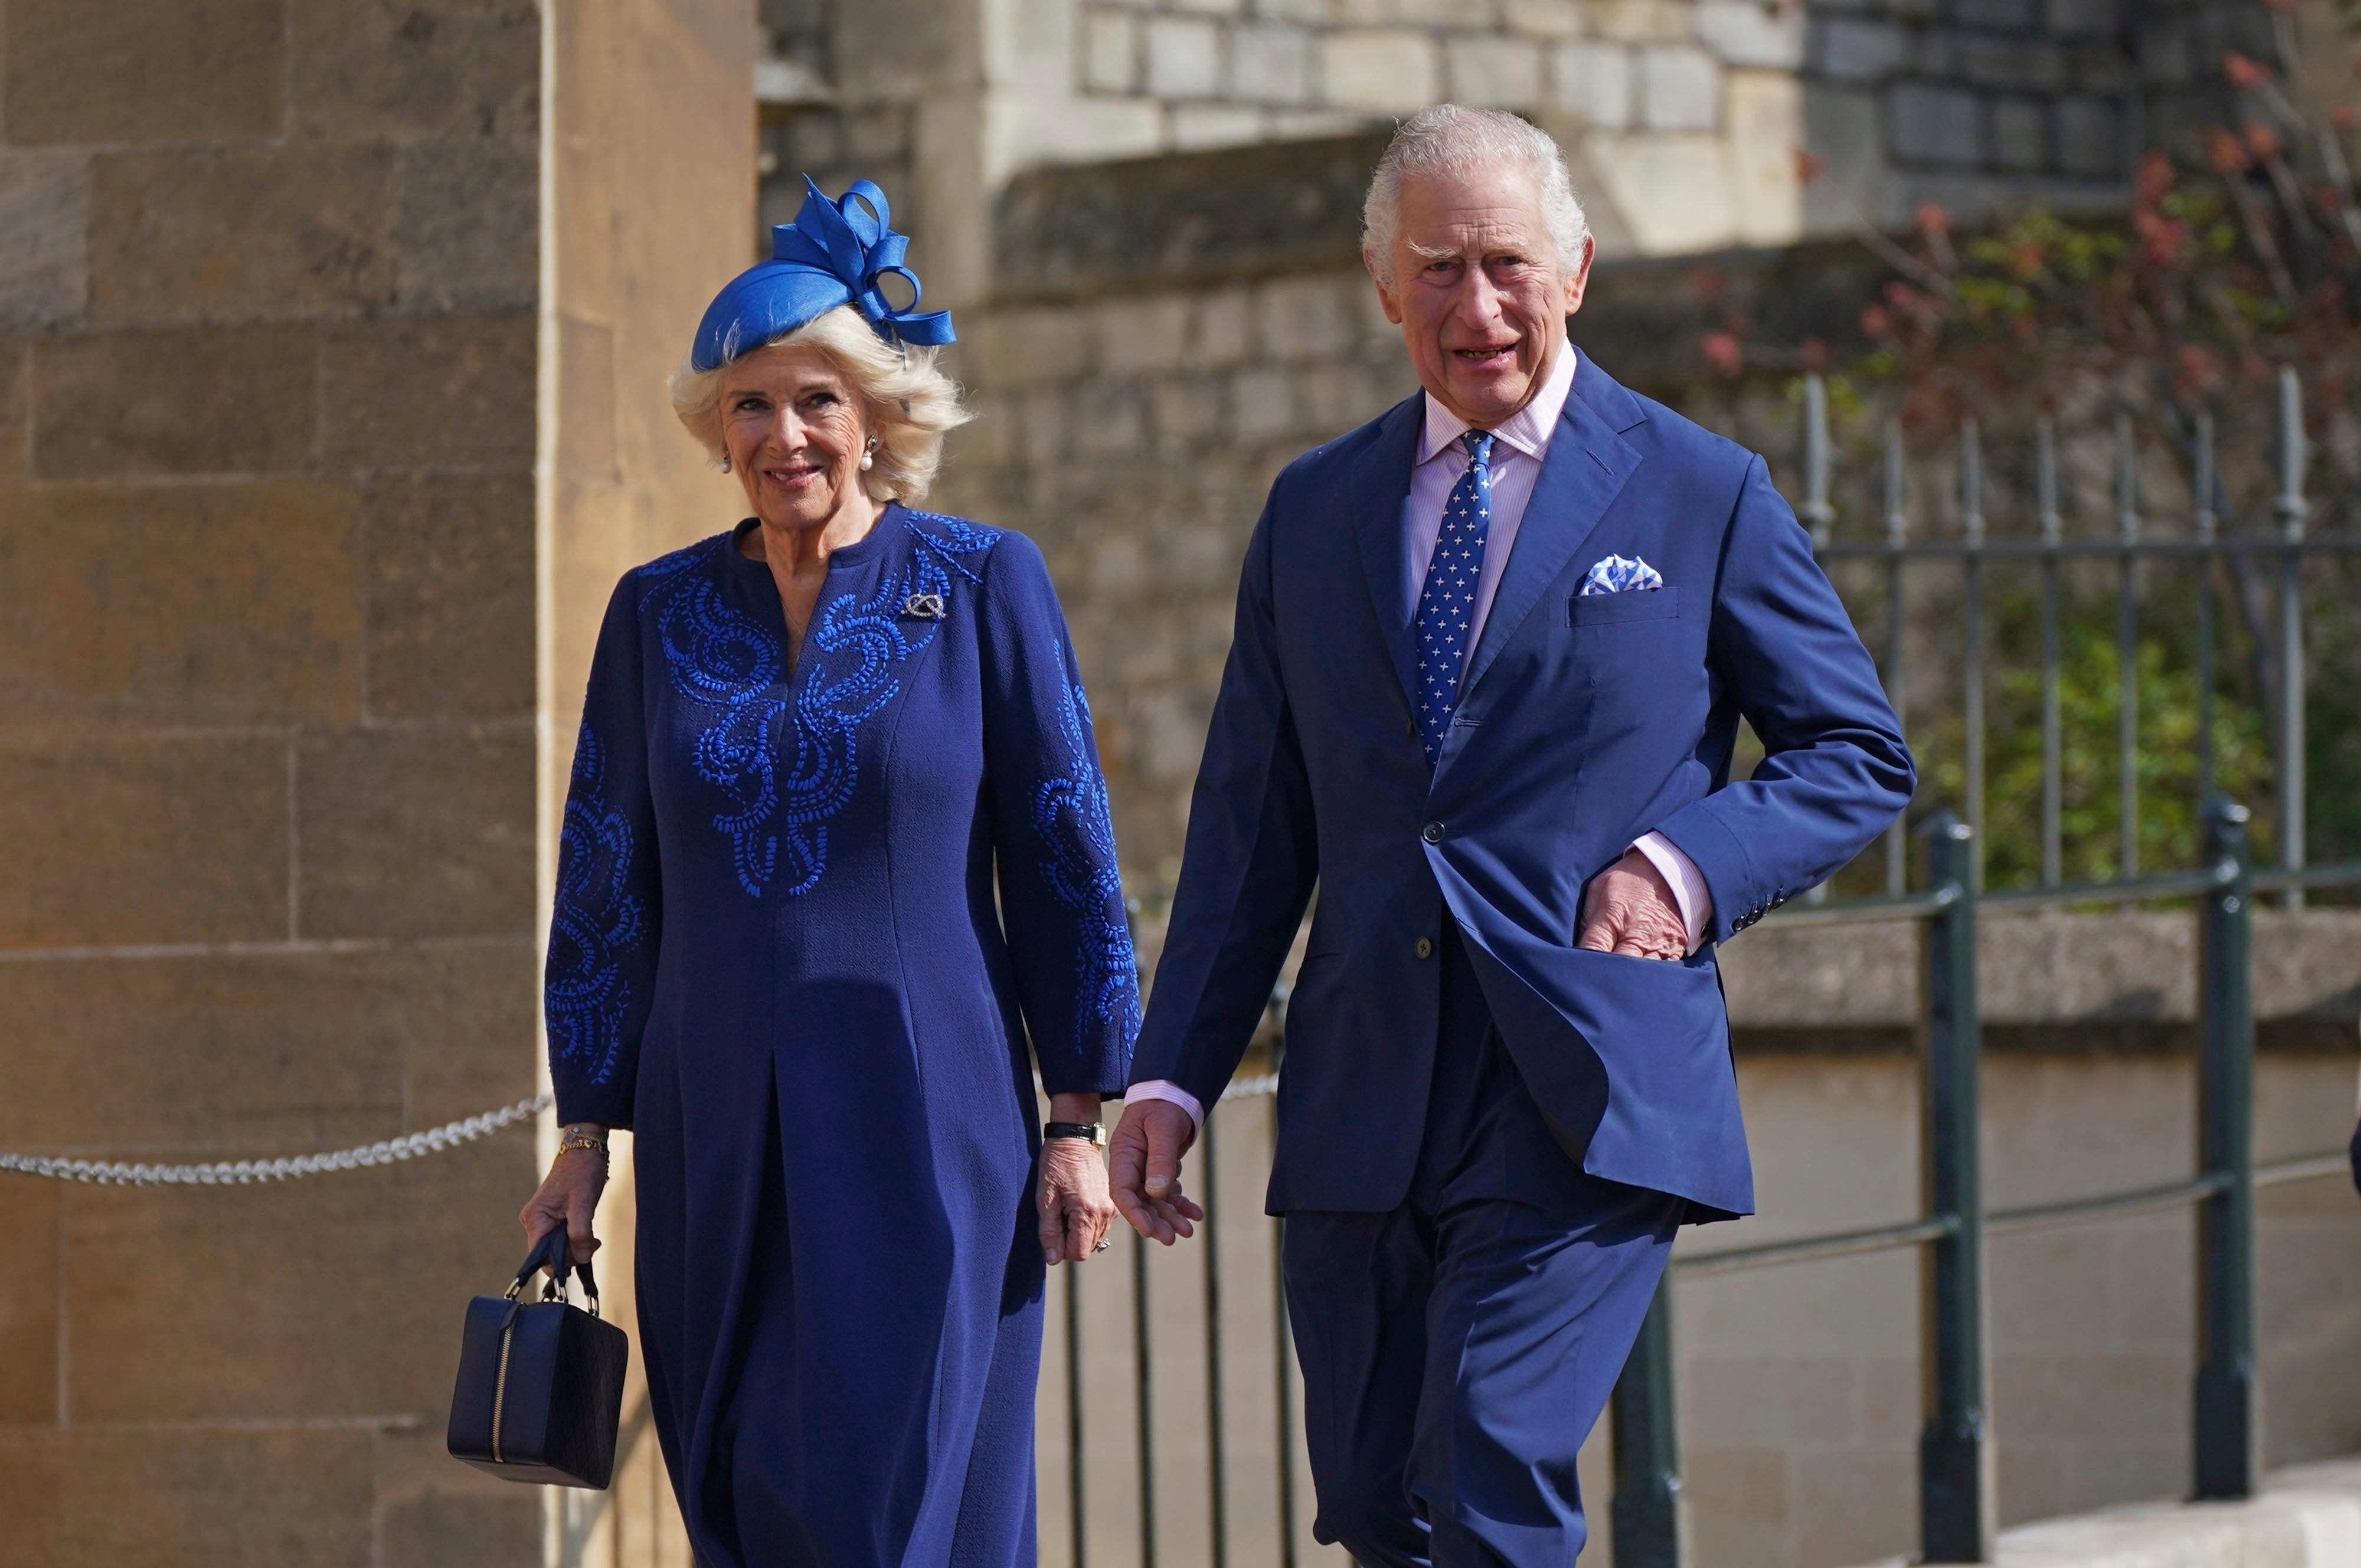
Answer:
(2237, 254)
(2225, 153)
(1724, 356)
(2196, 371)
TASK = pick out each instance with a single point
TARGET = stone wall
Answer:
(267, 275)
(1134, 441)
(651, 120)
(1682, 119)
(315, 468)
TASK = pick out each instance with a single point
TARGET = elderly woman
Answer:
(837, 849)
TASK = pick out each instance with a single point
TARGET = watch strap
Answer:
(1091, 1132)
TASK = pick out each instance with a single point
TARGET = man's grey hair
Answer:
(1451, 139)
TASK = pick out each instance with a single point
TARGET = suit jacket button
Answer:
(1432, 833)
(1423, 948)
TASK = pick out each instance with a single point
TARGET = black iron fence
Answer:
(1958, 1499)
(1957, 1504)
(2146, 544)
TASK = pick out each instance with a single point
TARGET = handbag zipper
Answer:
(500, 1386)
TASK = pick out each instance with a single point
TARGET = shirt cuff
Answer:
(1165, 1088)
(1689, 891)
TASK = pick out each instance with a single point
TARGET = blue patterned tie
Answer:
(1447, 605)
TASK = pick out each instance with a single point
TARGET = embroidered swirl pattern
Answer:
(725, 665)
(1070, 814)
(787, 763)
(597, 920)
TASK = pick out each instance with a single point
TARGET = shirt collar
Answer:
(1527, 430)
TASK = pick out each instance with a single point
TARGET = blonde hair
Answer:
(908, 403)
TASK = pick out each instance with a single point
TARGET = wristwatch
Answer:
(1090, 1131)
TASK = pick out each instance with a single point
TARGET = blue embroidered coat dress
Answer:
(806, 924)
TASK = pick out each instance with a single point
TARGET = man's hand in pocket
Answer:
(1631, 910)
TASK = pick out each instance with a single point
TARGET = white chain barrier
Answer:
(450, 1135)
(245, 1172)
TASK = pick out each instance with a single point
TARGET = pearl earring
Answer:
(725, 462)
(869, 459)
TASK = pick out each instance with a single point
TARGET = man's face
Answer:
(1478, 292)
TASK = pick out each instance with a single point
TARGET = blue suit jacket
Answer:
(1583, 723)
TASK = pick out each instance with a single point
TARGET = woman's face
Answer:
(796, 433)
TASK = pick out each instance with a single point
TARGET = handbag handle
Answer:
(551, 1253)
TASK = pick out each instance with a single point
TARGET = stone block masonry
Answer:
(267, 286)
(273, 711)
(1682, 120)
(1135, 443)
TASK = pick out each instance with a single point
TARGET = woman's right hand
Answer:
(568, 1197)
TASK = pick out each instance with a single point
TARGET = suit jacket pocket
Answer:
(1615, 610)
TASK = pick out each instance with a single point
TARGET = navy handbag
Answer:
(541, 1383)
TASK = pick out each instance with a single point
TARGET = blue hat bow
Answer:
(835, 253)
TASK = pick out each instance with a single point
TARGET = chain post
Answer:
(1957, 1506)
(2225, 1405)
(1649, 1512)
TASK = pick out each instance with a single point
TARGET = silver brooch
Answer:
(924, 606)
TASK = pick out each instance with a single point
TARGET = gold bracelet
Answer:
(596, 1141)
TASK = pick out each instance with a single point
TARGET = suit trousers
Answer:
(1457, 1349)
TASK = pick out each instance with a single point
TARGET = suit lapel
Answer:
(1587, 464)
(1380, 494)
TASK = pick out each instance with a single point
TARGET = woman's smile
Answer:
(794, 473)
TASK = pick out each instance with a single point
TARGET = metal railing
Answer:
(1974, 559)
(1288, 1517)
(1958, 1506)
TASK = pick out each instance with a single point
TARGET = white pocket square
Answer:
(1616, 575)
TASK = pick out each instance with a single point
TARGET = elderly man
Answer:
(1491, 656)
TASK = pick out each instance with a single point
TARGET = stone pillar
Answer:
(650, 209)
(330, 406)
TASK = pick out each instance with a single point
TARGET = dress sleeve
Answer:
(603, 921)
(1060, 887)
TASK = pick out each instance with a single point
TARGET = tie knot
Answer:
(1480, 447)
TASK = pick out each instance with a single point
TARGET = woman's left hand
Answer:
(1072, 1200)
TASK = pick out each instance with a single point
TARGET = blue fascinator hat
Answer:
(834, 254)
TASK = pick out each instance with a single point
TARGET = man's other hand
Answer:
(1631, 910)
(1144, 1164)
